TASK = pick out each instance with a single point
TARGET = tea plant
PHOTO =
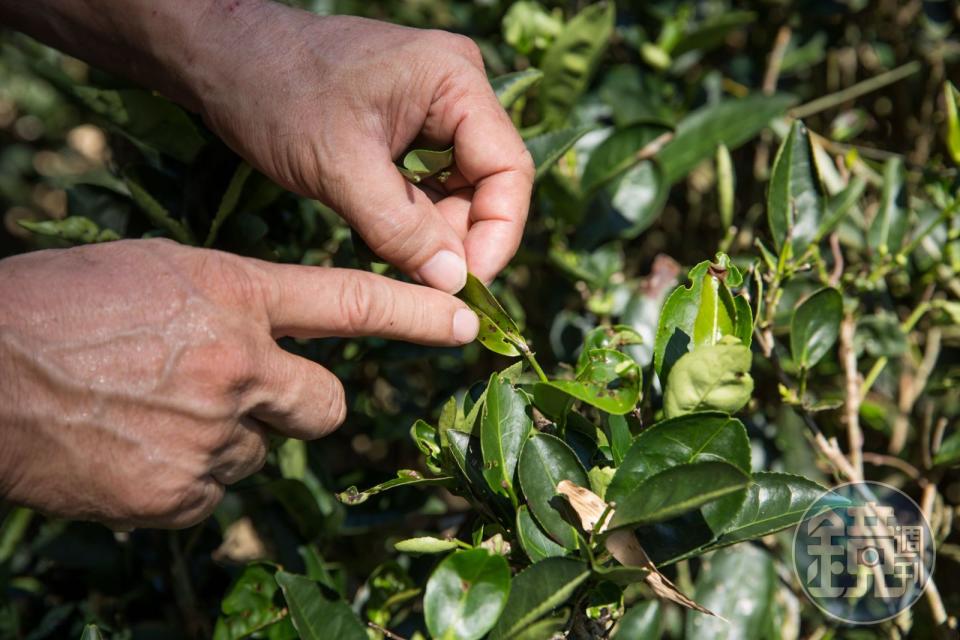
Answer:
(643, 435)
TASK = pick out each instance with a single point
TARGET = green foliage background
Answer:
(605, 243)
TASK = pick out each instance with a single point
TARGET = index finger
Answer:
(491, 156)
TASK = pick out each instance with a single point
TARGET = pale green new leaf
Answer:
(510, 87)
(711, 377)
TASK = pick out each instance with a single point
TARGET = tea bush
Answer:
(643, 435)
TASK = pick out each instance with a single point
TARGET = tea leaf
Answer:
(774, 501)
(730, 122)
(465, 595)
(315, 617)
(536, 544)
(248, 606)
(610, 381)
(425, 544)
(498, 332)
(641, 622)
(677, 490)
(738, 584)
(547, 148)
(405, 478)
(617, 153)
(569, 63)
(637, 197)
(949, 453)
(711, 377)
(510, 87)
(536, 591)
(156, 212)
(951, 98)
(423, 163)
(815, 326)
(696, 437)
(544, 462)
(890, 223)
(795, 198)
(75, 229)
(504, 426)
(839, 205)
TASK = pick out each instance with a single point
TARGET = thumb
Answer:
(400, 223)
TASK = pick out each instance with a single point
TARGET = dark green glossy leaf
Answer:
(426, 439)
(697, 437)
(546, 628)
(547, 148)
(641, 622)
(314, 616)
(731, 122)
(498, 331)
(405, 478)
(738, 584)
(423, 163)
(536, 544)
(620, 438)
(569, 63)
(544, 462)
(815, 326)
(248, 605)
(677, 490)
(890, 222)
(536, 591)
(795, 198)
(616, 154)
(711, 377)
(504, 426)
(774, 501)
(511, 86)
(610, 380)
(465, 594)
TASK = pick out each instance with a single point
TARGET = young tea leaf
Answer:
(815, 326)
(795, 198)
(951, 98)
(498, 332)
(610, 380)
(889, 225)
(465, 595)
(569, 63)
(425, 544)
(510, 87)
(405, 478)
(419, 164)
(76, 229)
(547, 148)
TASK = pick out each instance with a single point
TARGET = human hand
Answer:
(137, 378)
(324, 105)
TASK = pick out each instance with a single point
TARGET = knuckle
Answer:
(355, 302)
(337, 407)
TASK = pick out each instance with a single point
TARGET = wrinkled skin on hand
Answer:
(324, 106)
(140, 377)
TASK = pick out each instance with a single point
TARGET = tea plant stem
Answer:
(531, 358)
(384, 631)
(861, 88)
(848, 357)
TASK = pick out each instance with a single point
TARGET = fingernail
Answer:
(465, 326)
(445, 271)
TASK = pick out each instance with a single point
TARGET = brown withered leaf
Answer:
(622, 544)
